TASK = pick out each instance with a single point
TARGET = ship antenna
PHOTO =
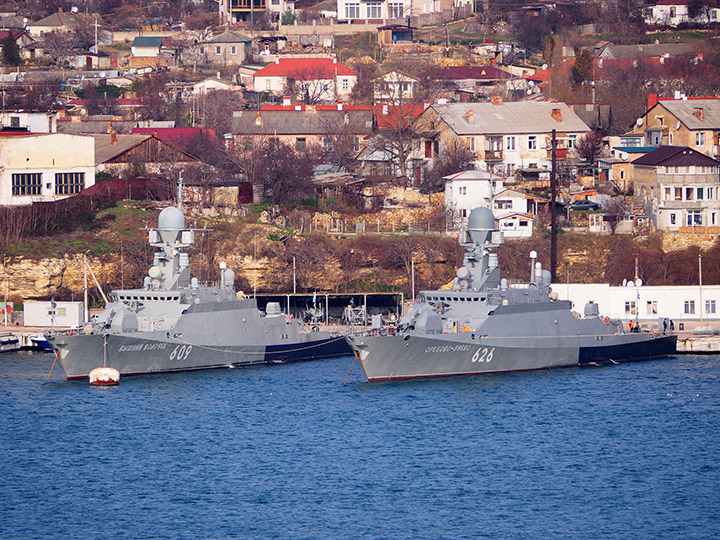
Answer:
(179, 196)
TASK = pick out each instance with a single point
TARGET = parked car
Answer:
(585, 205)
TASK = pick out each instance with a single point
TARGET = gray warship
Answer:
(173, 323)
(483, 325)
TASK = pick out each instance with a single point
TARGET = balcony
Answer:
(493, 155)
(246, 6)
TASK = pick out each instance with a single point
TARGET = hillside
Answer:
(262, 256)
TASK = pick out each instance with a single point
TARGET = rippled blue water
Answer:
(287, 451)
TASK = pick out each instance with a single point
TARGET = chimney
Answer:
(113, 137)
(557, 114)
(442, 100)
(339, 105)
(59, 9)
(298, 107)
(469, 116)
(426, 104)
(385, 110)
(286, 101)
(258, 119)
(496, 100)
(277, 60)
(109, 127)
(699, 113)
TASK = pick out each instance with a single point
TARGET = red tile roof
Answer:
(305, 68)
(172, 136)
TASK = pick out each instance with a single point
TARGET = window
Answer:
(373, 10)
(622, 174)
(202, 50)
(268, 84)
(396, 11)
(572, 141)
(689, 194)
(27, 184)
(300, 143)
(532, 142)
(678, 194)
(345, 84)
(352, 11)
(356, 144)
(651, 307)
(233, 50)
(471, 140)
(673, 12)
(668, 194)
(15, 121)
(217, 49)
(690, 307)
(630, 308)
(523, 223)
(700, 139)
(700, 192)
(69, 183)
(709, 306)
(503, 204)
(510, 143)
(463, 212)
(672, 219)
(694, 218)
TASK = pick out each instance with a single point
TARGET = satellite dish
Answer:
(639, 121)
(624, 282)
(154, 272)
(677, 126)
(74, 9)
(639, 282)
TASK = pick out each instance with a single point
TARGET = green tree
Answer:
(289, 17)
(11, 51)
(582, 70)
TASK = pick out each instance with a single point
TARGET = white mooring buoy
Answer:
(104, 376)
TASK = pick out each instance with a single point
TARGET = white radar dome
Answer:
(171, 218)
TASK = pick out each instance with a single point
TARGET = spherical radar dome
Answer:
(171, 218)
(481, 218)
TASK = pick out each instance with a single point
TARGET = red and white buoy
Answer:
(104, 376)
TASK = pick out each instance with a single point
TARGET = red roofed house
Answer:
(310, 80)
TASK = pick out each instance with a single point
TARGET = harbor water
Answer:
(288, 451)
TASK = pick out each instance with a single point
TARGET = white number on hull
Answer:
(482, 355)
(181, 352)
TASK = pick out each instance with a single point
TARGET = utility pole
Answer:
(553, 212)
(85, 289)
(294, 279)
(700, 276)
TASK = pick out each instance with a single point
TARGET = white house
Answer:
(372, 11)
(514, 224)
(467, 190)
(45, 167)
(208, 85)
(676, 12)
(687, 303)
(34, 122)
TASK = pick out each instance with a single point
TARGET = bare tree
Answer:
(311, 85)
(615, 211)
(59, 45)
(394, 138)
(590, 146)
